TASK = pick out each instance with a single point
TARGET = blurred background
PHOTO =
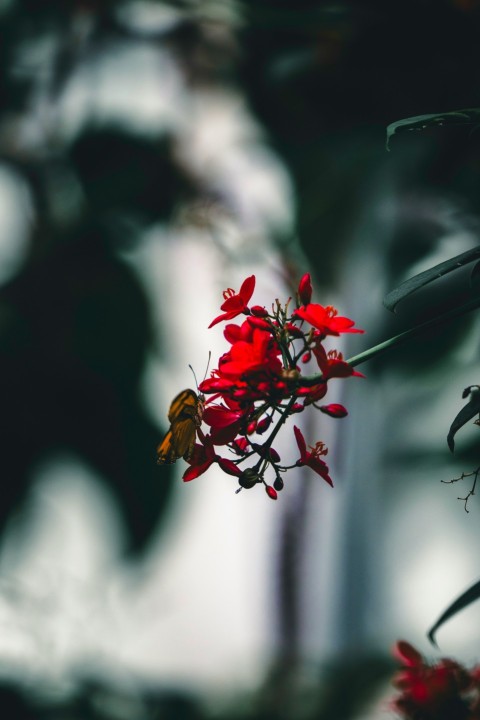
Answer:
(152, 154)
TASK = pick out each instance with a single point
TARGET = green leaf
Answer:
(468, 116)
(469, 411)
(467, 598)
(417, 281)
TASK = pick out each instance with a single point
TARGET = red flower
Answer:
(224, 421)
(438, 691)
(246, 357)
(332, 363)
(235, 304)
(326, 319)
(203, 456)
(305, 289)
(312, 459)
(233, 333)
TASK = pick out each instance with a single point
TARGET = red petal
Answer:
(248, 286)
(219, 417)
(302, 445)
(195, 470)
(407, 654)
(229, 467)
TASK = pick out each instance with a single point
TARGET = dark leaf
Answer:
(468, 116)
(469, 411)
(475, 279)
(467, 598)
(412, 284)
(468, 390)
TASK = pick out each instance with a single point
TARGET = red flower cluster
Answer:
(443, 691)
(258, 385)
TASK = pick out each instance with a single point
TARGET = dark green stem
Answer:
(413, 332)
(400, 338)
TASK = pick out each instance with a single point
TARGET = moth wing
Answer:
(184, 404)
(184, 435)
(183, 415)
(166, 449)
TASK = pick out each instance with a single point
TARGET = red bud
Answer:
(335, 410)
(264, 424)
(259, 323)
(259, 311)
(305, 289)
(272, 494)
(229, 467)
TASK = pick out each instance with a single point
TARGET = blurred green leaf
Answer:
(467, 598)
(469, 411)
(469, 116)
(417, 281)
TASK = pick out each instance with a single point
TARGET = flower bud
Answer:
(274, 456)
(297, 407)
(294, 331)
(278, 484)
(229, 467)
(259, 311)
(251, 427)
(264, 424)
(266, 452)
(305, 289)
(259, 323)
(306, 357)
(335, 410)
(241, 445)
(272, 494)
(249, 478)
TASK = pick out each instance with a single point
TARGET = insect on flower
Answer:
(185, 416)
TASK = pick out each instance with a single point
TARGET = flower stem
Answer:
(413, 332)
(401, 338)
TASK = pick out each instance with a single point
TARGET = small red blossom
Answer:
(312, 457)
(444, 690)
(203, 457)
(235, 303)
(225, 422)
(248, 357)
(332, 364)
(305, 289)
(326, 319)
